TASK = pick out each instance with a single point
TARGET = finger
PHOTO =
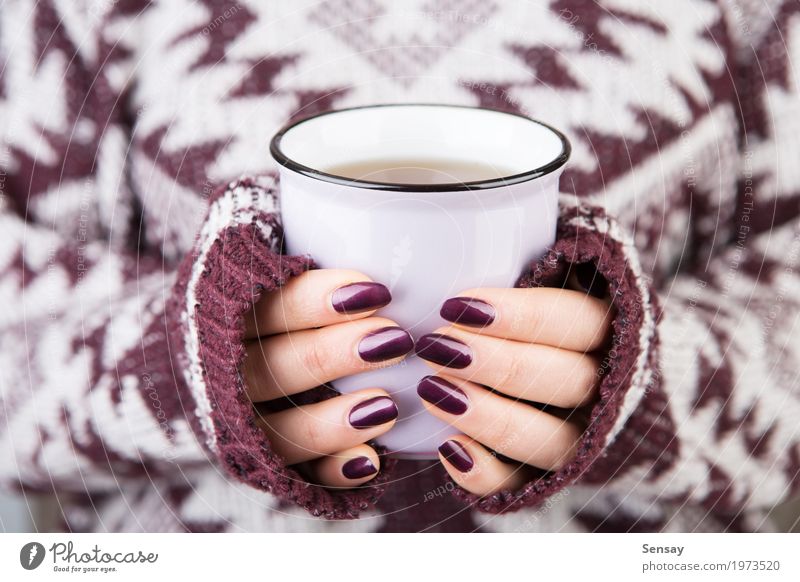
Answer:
(348, 468)
(288, 363)
(315, 299)
(512, 428)
(532, 372)
(562, 318)
(478, 470)
(309, 432)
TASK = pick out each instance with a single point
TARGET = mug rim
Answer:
(538, 172)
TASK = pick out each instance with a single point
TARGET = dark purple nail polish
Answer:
(373, 412)
(455, 454)
(443, 394)
(444, 350)
(359, 297)
(384, 344)
(592, 282)
(358, 468)
(467, 311)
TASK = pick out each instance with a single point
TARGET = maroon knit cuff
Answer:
(587, 236)
(216, 288)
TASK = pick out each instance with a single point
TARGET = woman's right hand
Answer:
(315, 329)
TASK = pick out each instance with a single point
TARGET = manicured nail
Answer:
(444, 350)
(384, 344)
(359, 297)
(592, 282)
(373, 412)
(467, 311)
(358, 468)
(455, 454)
(443, 394)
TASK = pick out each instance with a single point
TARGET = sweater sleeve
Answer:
(698, 399)
(114, 366)
(237, 259)
(116, 363)
(628, 371)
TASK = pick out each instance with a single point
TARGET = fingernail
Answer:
(373, 412)
(384, 344)
(443, 394)
(358, 297)
(592, 282)
(468, 311)
(455, 454)
(444, 350)
(358, 468)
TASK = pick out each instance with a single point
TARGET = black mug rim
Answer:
(287, 162)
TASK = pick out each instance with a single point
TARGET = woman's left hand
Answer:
(509, 352)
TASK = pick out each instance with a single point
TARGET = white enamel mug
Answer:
(426, 242)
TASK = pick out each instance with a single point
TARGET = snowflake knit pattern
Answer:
(141, 219)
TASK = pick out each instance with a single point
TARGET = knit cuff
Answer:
(236, 259)
(628, 370)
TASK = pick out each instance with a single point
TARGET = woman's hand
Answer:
(312, 331)
(509, 348)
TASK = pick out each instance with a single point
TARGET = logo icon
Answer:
(31, 555)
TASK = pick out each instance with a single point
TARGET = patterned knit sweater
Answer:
(140, 220)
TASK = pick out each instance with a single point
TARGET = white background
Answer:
(421, 558)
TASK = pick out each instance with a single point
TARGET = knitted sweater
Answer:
(132, 246)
